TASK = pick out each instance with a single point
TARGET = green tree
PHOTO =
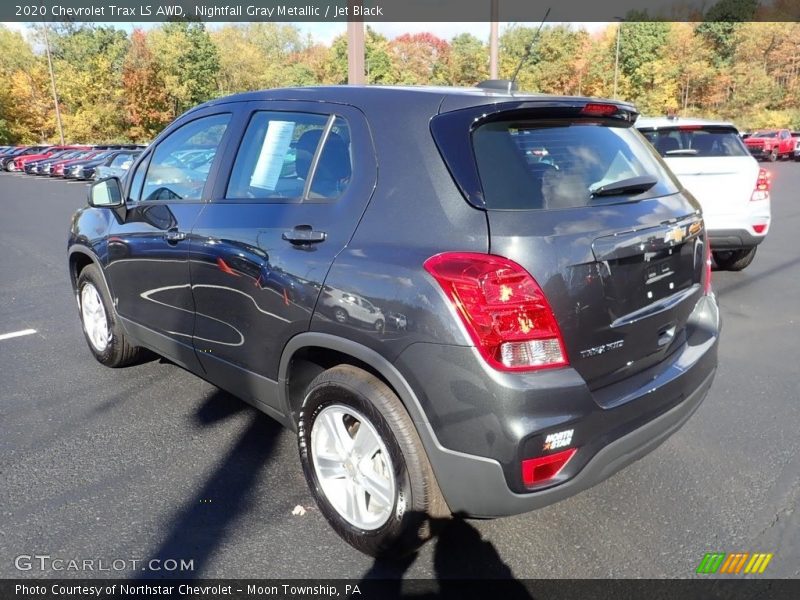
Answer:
(469, 60)
(188, 62)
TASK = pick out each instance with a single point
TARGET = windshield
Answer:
(696, 141)
(764, 134)
(556, 164)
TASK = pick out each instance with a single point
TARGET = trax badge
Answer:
(597, 350)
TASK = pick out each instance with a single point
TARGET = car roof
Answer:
(666, 122)
(373, 96)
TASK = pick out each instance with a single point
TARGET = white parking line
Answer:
(13, 334)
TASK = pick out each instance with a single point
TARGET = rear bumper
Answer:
(483, 431)
(734, 239)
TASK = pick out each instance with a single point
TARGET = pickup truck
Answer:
(771, 144)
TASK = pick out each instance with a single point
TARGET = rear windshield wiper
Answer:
(632, 185)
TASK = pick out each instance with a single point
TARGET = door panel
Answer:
(259, 257)
(148, 251)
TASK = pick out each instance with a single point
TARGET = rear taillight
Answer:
(503, 309)
(707, 282)
(537, 470)
(763, 185)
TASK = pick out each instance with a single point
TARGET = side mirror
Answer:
(106, 193)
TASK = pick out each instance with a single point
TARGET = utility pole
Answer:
(616, 59)
(493, 40)
(356, 49)
(53, 84)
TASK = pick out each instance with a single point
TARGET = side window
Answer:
(119, 159)
(334, 168)
(276, 158)
(180, 164)
(137, 180)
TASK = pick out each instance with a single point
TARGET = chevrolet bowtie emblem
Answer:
(674, 235)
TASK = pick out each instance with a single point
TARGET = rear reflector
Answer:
(502, 308)
(542, 468)
(707, 284)
(760, 228)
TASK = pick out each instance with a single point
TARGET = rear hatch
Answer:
(712, 163)
(587, 207)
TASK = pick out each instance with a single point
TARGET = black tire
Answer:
(773, 155)
(417, 498)
(119, 352)
(340, 315)
(735, 260)
(379, 325)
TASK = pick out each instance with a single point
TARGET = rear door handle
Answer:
(304, 234)
(173, 235)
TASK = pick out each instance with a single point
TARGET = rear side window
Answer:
(552, 165)
(291, 156)
(696, 141)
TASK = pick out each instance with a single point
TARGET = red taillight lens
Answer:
(599, 110)
(707, 284)
(503, 309)
(760, 228)
(537, 470)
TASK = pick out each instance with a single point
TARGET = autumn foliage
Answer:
(120, 86)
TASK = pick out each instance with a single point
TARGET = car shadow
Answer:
(465, 566)
(202, 523)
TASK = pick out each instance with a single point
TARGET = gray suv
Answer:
(552, 276)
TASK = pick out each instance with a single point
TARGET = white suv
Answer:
(710, 160)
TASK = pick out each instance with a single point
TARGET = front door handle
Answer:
(304, 234)
(173, 236)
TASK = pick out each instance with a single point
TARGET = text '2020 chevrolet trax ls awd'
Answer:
(552, 276)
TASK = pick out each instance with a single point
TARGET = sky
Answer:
(325, 32)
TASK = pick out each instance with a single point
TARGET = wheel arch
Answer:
(308, 354)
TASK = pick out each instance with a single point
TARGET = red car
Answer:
(19, 162)
(771, 144)
(57, 170)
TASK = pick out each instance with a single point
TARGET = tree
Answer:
(468, 64)
(146, 102)
(419, 59)
(189, 63)
(257, 56)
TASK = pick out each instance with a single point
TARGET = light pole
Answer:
(493, 40)
(355, 47)
(616, 56)
(53, 84)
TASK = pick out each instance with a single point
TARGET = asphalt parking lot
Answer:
(152, 462)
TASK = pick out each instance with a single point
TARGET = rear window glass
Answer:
(701, 142)
(538, 165)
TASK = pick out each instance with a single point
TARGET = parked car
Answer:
(564, 323)
(57, 169)
(796, 151)
(21, 161)
(7, 162)
(346, 307)
(771, 144)
(35, 167)
(84, 169)
(711, 162)
(116, 166)
(44, 167)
